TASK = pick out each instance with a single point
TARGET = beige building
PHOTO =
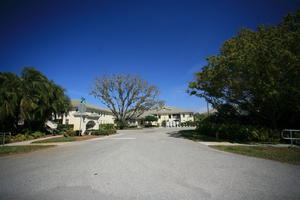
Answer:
(172, 116)
(93, 114)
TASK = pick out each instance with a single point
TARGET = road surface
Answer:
(144, 164)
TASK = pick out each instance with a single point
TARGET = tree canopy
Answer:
(257, 73)
(30, 98)
(150, 118)
(127, 96)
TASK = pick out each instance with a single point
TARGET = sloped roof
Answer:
(166, 110)
(75, 103)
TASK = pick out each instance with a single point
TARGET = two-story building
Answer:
(167, 116)
(92, 113)
(170, 115)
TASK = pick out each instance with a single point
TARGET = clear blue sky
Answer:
(164, 42)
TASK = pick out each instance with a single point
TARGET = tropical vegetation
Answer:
(28, 101)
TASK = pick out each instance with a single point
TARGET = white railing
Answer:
(290, 136)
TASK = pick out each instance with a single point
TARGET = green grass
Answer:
(18, 149)
(282, 154)
(193, 135)
(59, 139)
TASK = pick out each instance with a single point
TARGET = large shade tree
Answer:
(257, 73)
(127, 96)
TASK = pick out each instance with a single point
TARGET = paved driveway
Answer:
(144, 164)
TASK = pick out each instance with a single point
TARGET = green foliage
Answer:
(150, 118)
(121, 124)
(37, 134)
(30, 98)
(69, 133)
(188, 124)
(200, 117)
(107, 127)
(103, 132)
(237, 132)
(257, 73)
(65, 127)
(104, 129)
(19, 137)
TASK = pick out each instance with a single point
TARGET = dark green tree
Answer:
(10, 97)
(257, 73)
(30, 98)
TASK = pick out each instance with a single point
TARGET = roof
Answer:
(166, 110)
(76, 102)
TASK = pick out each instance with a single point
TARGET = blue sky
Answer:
(165, 42)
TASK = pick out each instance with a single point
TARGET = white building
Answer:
(93, 114)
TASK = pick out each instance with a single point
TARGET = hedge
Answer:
(104, 129)
(237, 132)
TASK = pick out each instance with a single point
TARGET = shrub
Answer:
(237, 132)
(29, 137)
(104, 129)
(19, 137)
(69, 133)
(107, 127)
(37, 134)
(121, 124)
(103, 132)
(65, 127)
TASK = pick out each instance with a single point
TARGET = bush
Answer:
(121, 124)
(107, 127)
(19, 137)
(103, 132)
(64, 127)
(69, 133)
(37, 134)
(237, 132)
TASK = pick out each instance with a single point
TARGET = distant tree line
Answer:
(28, 100)
(255, 79)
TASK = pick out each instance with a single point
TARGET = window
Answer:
(158, 116)
(67, 121)
(170, 116)
(191, 115)
(183, 115)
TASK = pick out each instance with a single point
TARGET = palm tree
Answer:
(10, 96)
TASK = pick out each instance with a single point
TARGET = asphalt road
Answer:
(144, 164)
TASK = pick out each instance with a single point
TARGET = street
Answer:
(144, 164)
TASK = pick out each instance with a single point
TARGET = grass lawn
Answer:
(193, 135)
(282, 154)
(58, 139)
(18, 149)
